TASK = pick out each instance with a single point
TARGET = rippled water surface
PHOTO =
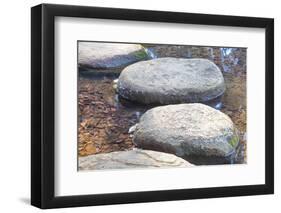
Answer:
(105, 118)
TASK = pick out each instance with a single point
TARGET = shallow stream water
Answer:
(105, 118)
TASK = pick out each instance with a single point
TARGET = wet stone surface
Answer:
(171, 80)
(95, 55)
(131, 159)
(105, 118)
(191, 131)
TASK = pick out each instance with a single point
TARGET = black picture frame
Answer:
(43, 110)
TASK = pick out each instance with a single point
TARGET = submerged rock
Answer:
(135, 158)
(108, 55)
(171, 80)
(195, 132)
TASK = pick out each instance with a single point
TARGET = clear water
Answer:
(99, 101)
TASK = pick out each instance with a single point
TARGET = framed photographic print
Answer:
(139, 106)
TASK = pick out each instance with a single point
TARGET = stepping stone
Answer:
(135, 158)
(196, 132)
(95, 55)
(171, 80)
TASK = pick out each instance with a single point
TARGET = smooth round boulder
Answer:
(135, 158)
(171, 81)
(196, 132)
(98, 55)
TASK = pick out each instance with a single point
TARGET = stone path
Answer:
(95, 55)
(196, 132)
(180, 134)
(135, 158)
(171, 80)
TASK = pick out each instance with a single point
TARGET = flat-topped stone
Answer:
(171, 80)
(135, 158)
(98, 55)
(195, 132)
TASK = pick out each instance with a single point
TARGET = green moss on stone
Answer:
(234, 141)
(140, 54)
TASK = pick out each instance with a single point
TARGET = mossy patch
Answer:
(234, 141)
(140, 54)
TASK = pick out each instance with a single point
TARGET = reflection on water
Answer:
(150, 52)
(106, 118)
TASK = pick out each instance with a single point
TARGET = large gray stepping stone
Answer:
(135, 158)
(108, 55)
(171, 80)
(195, 132)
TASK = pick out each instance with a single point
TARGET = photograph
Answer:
(144, 105)
(139, 105)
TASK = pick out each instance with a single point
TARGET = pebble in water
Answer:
(195, 132)
(171, 80)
